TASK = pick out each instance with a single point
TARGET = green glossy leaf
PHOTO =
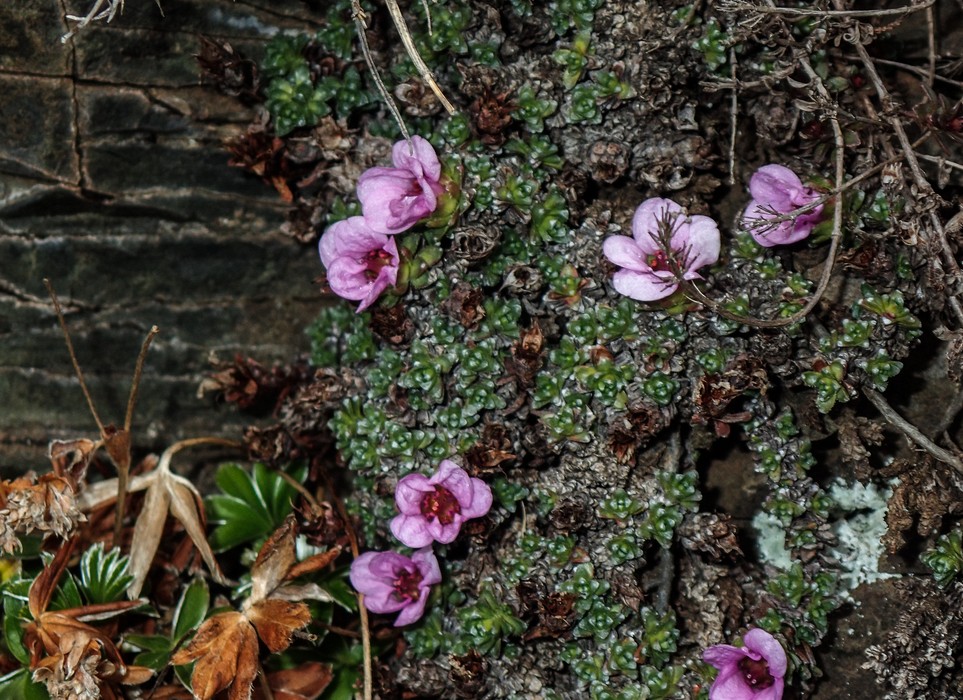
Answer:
(149, 642)
(239, 522)
(67, 594)
(18, 685)
(336, 583)
(191, 610)
(252, 504)
(14, 611)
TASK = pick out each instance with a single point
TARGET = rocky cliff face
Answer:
(114, 184)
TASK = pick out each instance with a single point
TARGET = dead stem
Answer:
(733, 117)
(361, 26)
(911, 431)
(918, 71)
(362, 611)
(73, 356)
(930, 47)
(414, 55)
(740, 6)
(909, 155)
(265, 686)
(666, 573)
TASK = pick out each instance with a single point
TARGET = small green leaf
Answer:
(336, 583)
(14, 612)
(191, 610)
(19, 685)
(104, 577)
(67, 594)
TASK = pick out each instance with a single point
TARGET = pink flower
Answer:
(361, 263)
(776, 192)
(754, 672)
(666, 245)
(432, 510)
(395, 199)
(391, 582)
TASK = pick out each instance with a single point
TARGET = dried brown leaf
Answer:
(226, 650)
(306, 682)
(276, 621)
(70, 459)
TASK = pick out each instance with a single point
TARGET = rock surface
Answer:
(115, 185)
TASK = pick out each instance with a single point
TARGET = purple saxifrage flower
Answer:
(776, 192)
(361, 263)
(395, 199)
(666, 245)
(392, 582)
(433, 509)
(754, 672)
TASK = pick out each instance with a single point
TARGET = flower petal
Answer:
(625, 252)
(644, 286)
(723, 655)
(368, 577)
(413, 611)
(700, 237)
(757, 221)
(456, 480)
(481, 500)
(351, 237)
(411, 530)
(773, 692)
(730, 685)
(775, 185)
(409, 492)
(648, 218)
(764, 644)
(423, 161)
(379, 189)
(427, 564)
(348, 278)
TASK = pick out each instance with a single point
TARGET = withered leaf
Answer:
(70, 459)
(65, 651)
(225, 648)
(275, 611)
(306, 682)
(276, 621)
(166, 492)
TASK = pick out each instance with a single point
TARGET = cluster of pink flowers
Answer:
(756, 671)
(432, 509)
(359, 253)
(668, 246)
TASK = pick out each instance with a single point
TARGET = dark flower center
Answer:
(658, 262)
(442, 504)
(406, 585)
(756, 673)
(375, 260)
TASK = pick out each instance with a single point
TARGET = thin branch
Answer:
(73, 357)
(922, 72)
(138, 369)
(362, 610)
(733, 6)
(733, 117)
(361, 26)
(925, 189)
(413, 54)
(911, 431)
(930, 46)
